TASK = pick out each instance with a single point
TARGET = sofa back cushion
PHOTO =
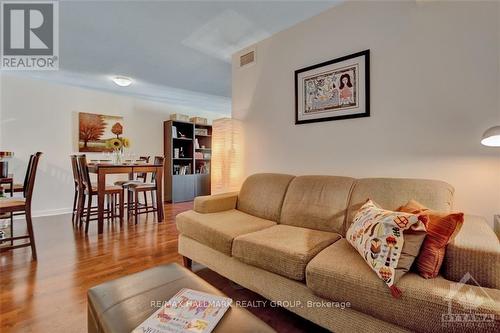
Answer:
(262, 195)
(317, 202)
(391, 193)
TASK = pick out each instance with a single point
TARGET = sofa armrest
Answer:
(215, 203)
(475, 250)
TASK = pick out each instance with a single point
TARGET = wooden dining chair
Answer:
(143, 176)
(19, 188)
(16, 188)
(133, 189)
(89, 191)
(76, 182)
(22, 206)
(81, 210)
(139, 178)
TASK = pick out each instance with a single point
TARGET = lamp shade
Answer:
(491, 137)
(227, 155)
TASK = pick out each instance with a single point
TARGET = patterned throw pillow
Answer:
(441, 229)
(378, 235)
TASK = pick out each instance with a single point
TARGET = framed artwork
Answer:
(95, 130)
(333, 90)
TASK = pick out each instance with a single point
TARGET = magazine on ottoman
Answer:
(187, 311)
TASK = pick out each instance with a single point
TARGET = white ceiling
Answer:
(168, 47)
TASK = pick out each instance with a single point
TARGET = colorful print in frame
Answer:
(94, 130)
(333, 90)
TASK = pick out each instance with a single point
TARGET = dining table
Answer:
(104, 169)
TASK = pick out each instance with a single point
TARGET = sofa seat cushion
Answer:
(282, 249)
(339, 273)
(218, 230)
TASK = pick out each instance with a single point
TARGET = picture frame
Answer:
(95, 130)
(333, 90)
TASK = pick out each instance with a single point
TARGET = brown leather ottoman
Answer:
(122, 304)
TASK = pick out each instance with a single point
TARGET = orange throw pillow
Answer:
(441, 229)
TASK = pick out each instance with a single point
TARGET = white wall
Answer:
(434, 87)
(42, 116)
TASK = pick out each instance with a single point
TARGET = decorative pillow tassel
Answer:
(395, 291)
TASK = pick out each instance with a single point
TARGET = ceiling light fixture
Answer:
(122, 81)
(491, 137)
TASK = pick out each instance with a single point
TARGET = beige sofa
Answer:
(282, 237)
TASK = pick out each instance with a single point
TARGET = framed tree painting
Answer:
(333, 90)
(94, 130)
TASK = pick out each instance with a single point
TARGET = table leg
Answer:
(101, 187)
(159, 193)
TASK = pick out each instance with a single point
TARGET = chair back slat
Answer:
(158, 160)
(143, 175)
(84, 171)
(74, 168)
(27, 175)
(31, 178)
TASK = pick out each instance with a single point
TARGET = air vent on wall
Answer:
(247, 58)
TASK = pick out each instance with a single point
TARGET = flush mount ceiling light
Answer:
(122, 81)
(491, 137)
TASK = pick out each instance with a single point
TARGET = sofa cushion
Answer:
(392, 193)
(218, 230)
(317, 202)
(388, 241)
(262, 195)
(282, 249)
(441, 230)
(338, 273)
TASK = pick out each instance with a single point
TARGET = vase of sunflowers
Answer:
(118, 145)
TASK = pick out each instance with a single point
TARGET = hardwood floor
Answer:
(50, 295)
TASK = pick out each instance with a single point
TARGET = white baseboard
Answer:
(48, 212)
(51, 212)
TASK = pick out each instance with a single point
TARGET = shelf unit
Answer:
(186, 176)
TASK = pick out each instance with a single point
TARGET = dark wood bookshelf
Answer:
(191, 183)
